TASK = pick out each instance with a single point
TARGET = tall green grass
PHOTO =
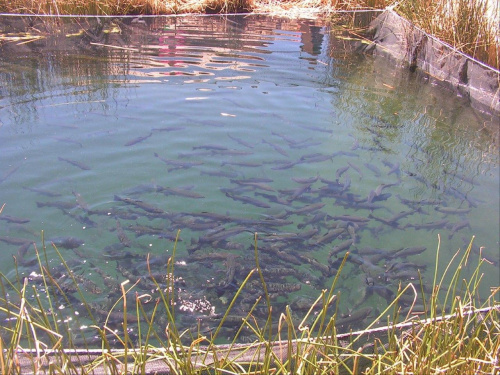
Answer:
(459, 333)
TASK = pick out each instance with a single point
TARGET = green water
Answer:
(250, 105)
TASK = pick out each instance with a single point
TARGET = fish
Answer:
(67, 242)
(276, 147)
(227, 174)
(307, 180)
(258, 185)
(393, 220)
(210, 147)
(67, 140)
(241, 164)
(428, 226)
(341, 247)
(374, 169)
(122, 237)
(58, 204)
(80, 201)
(452, 210)
(15, 240)
(77, 164)
(351, 218)
(356, 316)
(407, 251)
(353, 166)
(249, 200)
(178, 164)
(181, 192)
(138, 139)
(168, 129)
(231, 152)
(47, 193)
(456, 227)
(241, 141)
(394, 168)
(341, 171)
(9, 173)
(309, 208)
(329, 236)
(12, 219)
(138, 203)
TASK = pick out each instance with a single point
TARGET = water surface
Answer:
(115, 138)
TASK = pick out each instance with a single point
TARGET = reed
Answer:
(459, 333)
(471, 26)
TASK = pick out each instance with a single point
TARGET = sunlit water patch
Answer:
(227, 129)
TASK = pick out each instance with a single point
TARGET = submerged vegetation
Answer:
(457, 332)
(471, 26)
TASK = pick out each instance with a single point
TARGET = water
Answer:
(227, 127)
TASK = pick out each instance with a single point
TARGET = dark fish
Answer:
(14, 240)
(351, 218)
(407, 251)
(273, 198)
(12, 219)
(138, 139)
(356, 169)
(309, 180)
(451, 210)
(181, 192)
(122, 237)
(276, 147)
(220, 174)
(306, 144)
(178, 164)
(257, 185)
(210, 147)
(309, 208)
(58, 204)
(249, 200)
(80, 201)
(394, 168)
(67, 140)
(231, 152)
(75, 163)
(298, 192)
(40, 191)
(428, 226)
(145, 206)
(341, 171)
(314, 158)
(241, 164)
(285, 165)
(393, 220)
(67, 242)
(329, 236)
(356, 316)
(374, 169)
(168, 129)
(341, 247)
(10, 172)
(456, 227)
(240, 141)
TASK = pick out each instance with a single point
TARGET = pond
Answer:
(118, 133)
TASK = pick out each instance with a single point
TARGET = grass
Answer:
(458, 334)
(468, 25)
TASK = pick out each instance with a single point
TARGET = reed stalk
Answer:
(458, 335)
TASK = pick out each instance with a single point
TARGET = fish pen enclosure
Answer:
(244, 192)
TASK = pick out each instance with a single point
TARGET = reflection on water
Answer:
(116, 137)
